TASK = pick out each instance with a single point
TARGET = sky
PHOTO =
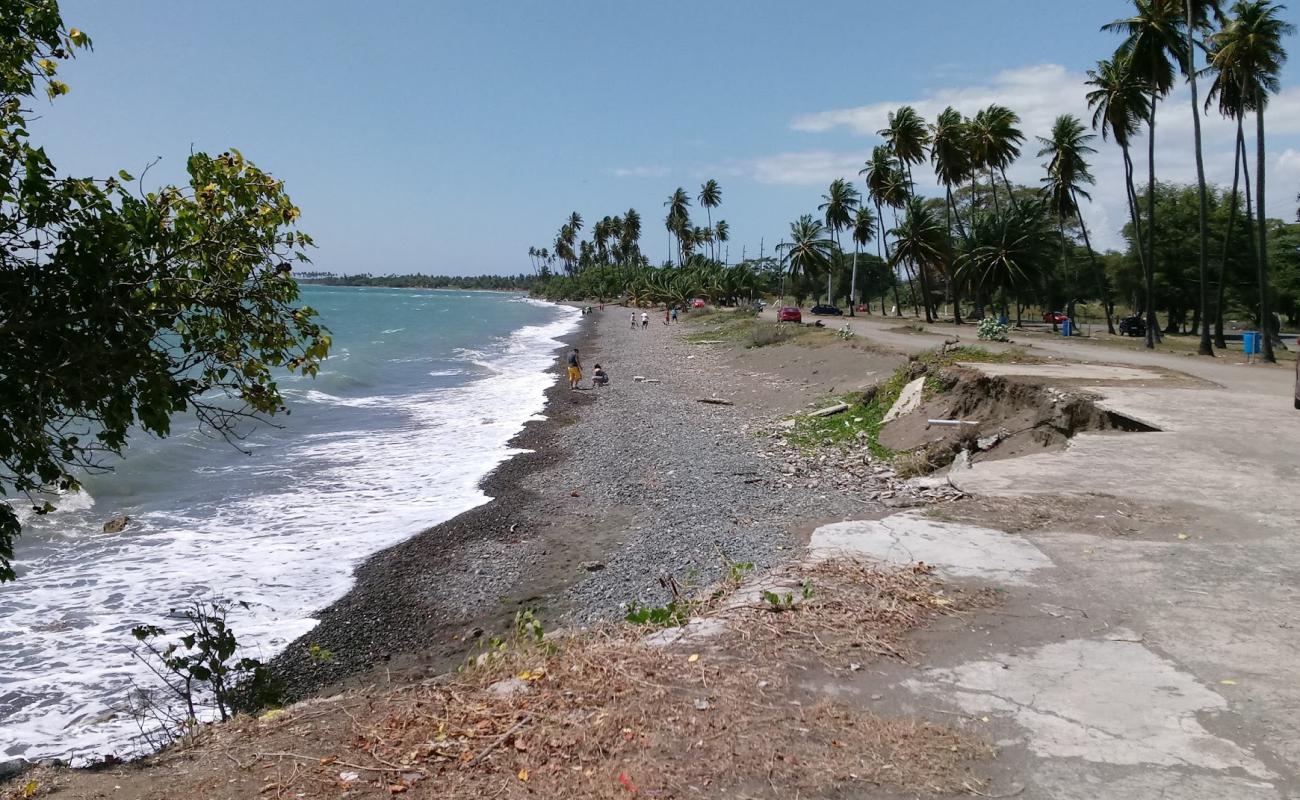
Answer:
(449, 137)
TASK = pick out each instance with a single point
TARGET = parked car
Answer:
(1054, 317)
(1133, 326)
(825, 311)
(697, 303)
(788, 314)
(863, 307)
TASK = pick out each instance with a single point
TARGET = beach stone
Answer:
(908, 400)
(116, 524)
(592, 566)
(510, 687)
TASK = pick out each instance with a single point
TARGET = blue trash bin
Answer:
(1067, 327)
(1250, 342)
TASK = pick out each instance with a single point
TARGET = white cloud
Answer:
(804, 168)
(638, 172)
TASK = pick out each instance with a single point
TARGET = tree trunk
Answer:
(1150, 266)
(993, 188)
(950, 210)
(1204, 348)
(1010, 194)
(1103, 285)
(853, 282)
(1237, 156)
(1261, 252)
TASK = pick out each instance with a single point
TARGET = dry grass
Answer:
(600, 714)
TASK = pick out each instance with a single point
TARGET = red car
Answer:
(788, 314)
(1054, 317)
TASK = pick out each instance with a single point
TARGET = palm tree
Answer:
(678, 219)
(1154, 41)
(840, 201)
(1250, 47)
(1235, 96)
(1119, 107)
(907, 137)
(1198, 13)
(722, 233)
(886, 186)
(710, 197)
(809, 249)
(922, 241)
(951, 155)
(630, 240)
(1007, 249)
(1067, 173)
(864, 230)
(995, 144)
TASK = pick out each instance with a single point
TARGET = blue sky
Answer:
(449, 137)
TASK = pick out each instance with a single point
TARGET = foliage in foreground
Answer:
(120, 308)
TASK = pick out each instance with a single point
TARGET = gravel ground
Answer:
(624, 486)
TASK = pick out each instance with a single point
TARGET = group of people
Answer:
(670, 316)
(599, 377)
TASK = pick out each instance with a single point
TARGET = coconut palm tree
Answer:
(710, 197)
(886, 186)
(864, 230)
(722, 233)
(1234, 93)
(1067, 174)
(678, 219)
(1119, 107)
(630, 238)
(809, 249)
(922, 241)
(1154, 41)
(840, 201)
(950, 154)
(1198, 14)
(995, 144)
(1250, 46)
(907, 137)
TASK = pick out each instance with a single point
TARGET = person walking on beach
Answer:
(633, 320)
(665, 315)
(645, 320)
(674, 313)
(575, 369)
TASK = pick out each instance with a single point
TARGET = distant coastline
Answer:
(496, 283)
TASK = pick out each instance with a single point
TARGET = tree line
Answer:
(987, 243)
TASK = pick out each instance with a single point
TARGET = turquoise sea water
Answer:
(415, 405)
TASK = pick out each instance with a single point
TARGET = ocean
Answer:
(417, 402)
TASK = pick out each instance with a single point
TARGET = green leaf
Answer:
(124, 175)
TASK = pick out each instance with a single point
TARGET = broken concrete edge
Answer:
(909, 399)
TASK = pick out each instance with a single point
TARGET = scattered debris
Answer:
(951, 422)
(717, 401)
(591, 566)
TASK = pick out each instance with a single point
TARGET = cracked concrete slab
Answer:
(1074, 780)
(955, 550)
(1109, 701)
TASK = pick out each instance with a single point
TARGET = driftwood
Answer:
(714, 401)
(838, 408)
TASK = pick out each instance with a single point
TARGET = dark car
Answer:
(1133, 326)
(788, 314)
(825, 311)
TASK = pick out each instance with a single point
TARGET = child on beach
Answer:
(575, 369)
(633, 320)
(674, 313)
(645, 320)
(599, 377)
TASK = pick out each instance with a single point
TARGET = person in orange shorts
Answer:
(575, 369)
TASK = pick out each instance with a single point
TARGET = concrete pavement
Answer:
(1163, 662)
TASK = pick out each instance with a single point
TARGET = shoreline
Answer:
(375, 624)
(628, 494)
